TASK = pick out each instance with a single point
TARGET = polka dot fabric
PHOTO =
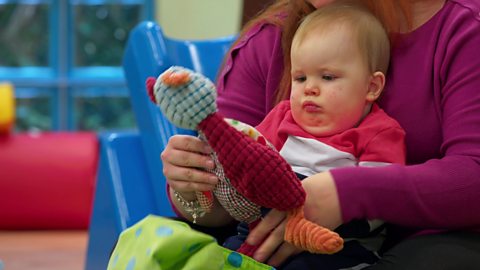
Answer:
(160, 243)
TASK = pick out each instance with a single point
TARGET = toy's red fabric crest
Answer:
(150, 83)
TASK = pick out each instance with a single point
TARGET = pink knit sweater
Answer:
(433, 91)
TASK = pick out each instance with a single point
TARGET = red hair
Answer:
(395, 15)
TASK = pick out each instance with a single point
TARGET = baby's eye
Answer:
(300, 79)
(329, 77)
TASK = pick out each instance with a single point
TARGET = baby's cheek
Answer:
(334, 100)
(295, 105)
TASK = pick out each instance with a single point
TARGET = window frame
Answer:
(60, 78)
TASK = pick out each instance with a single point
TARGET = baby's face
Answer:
(330, 82)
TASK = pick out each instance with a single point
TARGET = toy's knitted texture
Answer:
(256, 171)
(186, 109)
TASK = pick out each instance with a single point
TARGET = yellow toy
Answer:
(7, 107)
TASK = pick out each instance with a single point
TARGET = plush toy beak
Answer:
(150, 83)
(175, 79)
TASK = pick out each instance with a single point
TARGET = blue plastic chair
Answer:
(130, 182)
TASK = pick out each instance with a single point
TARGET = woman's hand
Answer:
(321, 206)
(274, 250)
(185, 159)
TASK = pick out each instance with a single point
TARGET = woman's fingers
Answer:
(274, 250)
(189, 143)
(273, 241)
(187, 151)
(271, 221)
(189, 179)
(285, 251)
(271, 231)
(185, 159)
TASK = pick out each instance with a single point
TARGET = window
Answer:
(64, 59)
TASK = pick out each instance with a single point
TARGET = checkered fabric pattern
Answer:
(205, 199)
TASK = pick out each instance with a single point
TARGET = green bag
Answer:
(160, 243)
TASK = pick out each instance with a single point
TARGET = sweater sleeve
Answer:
(251, 74)
(443, 191)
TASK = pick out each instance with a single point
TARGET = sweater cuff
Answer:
(352, 195)
(369, 192)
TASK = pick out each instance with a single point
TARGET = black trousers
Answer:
(446, 251)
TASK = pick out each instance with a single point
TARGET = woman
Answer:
(432, 90)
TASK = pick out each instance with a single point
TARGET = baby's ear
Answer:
(375, 87)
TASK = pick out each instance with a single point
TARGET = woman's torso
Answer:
(424, 73)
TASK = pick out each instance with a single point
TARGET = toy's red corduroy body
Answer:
(255, 170)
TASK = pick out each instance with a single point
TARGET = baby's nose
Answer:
(312, 90)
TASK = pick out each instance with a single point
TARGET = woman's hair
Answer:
(288, 14)
(364, 28)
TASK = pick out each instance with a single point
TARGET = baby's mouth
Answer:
(311, 107)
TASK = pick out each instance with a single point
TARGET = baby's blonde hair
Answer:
(373, 41)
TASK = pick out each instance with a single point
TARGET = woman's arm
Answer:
(440, 189)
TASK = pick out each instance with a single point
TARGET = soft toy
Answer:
(252, 173)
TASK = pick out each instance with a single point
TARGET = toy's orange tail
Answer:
(310, 236)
